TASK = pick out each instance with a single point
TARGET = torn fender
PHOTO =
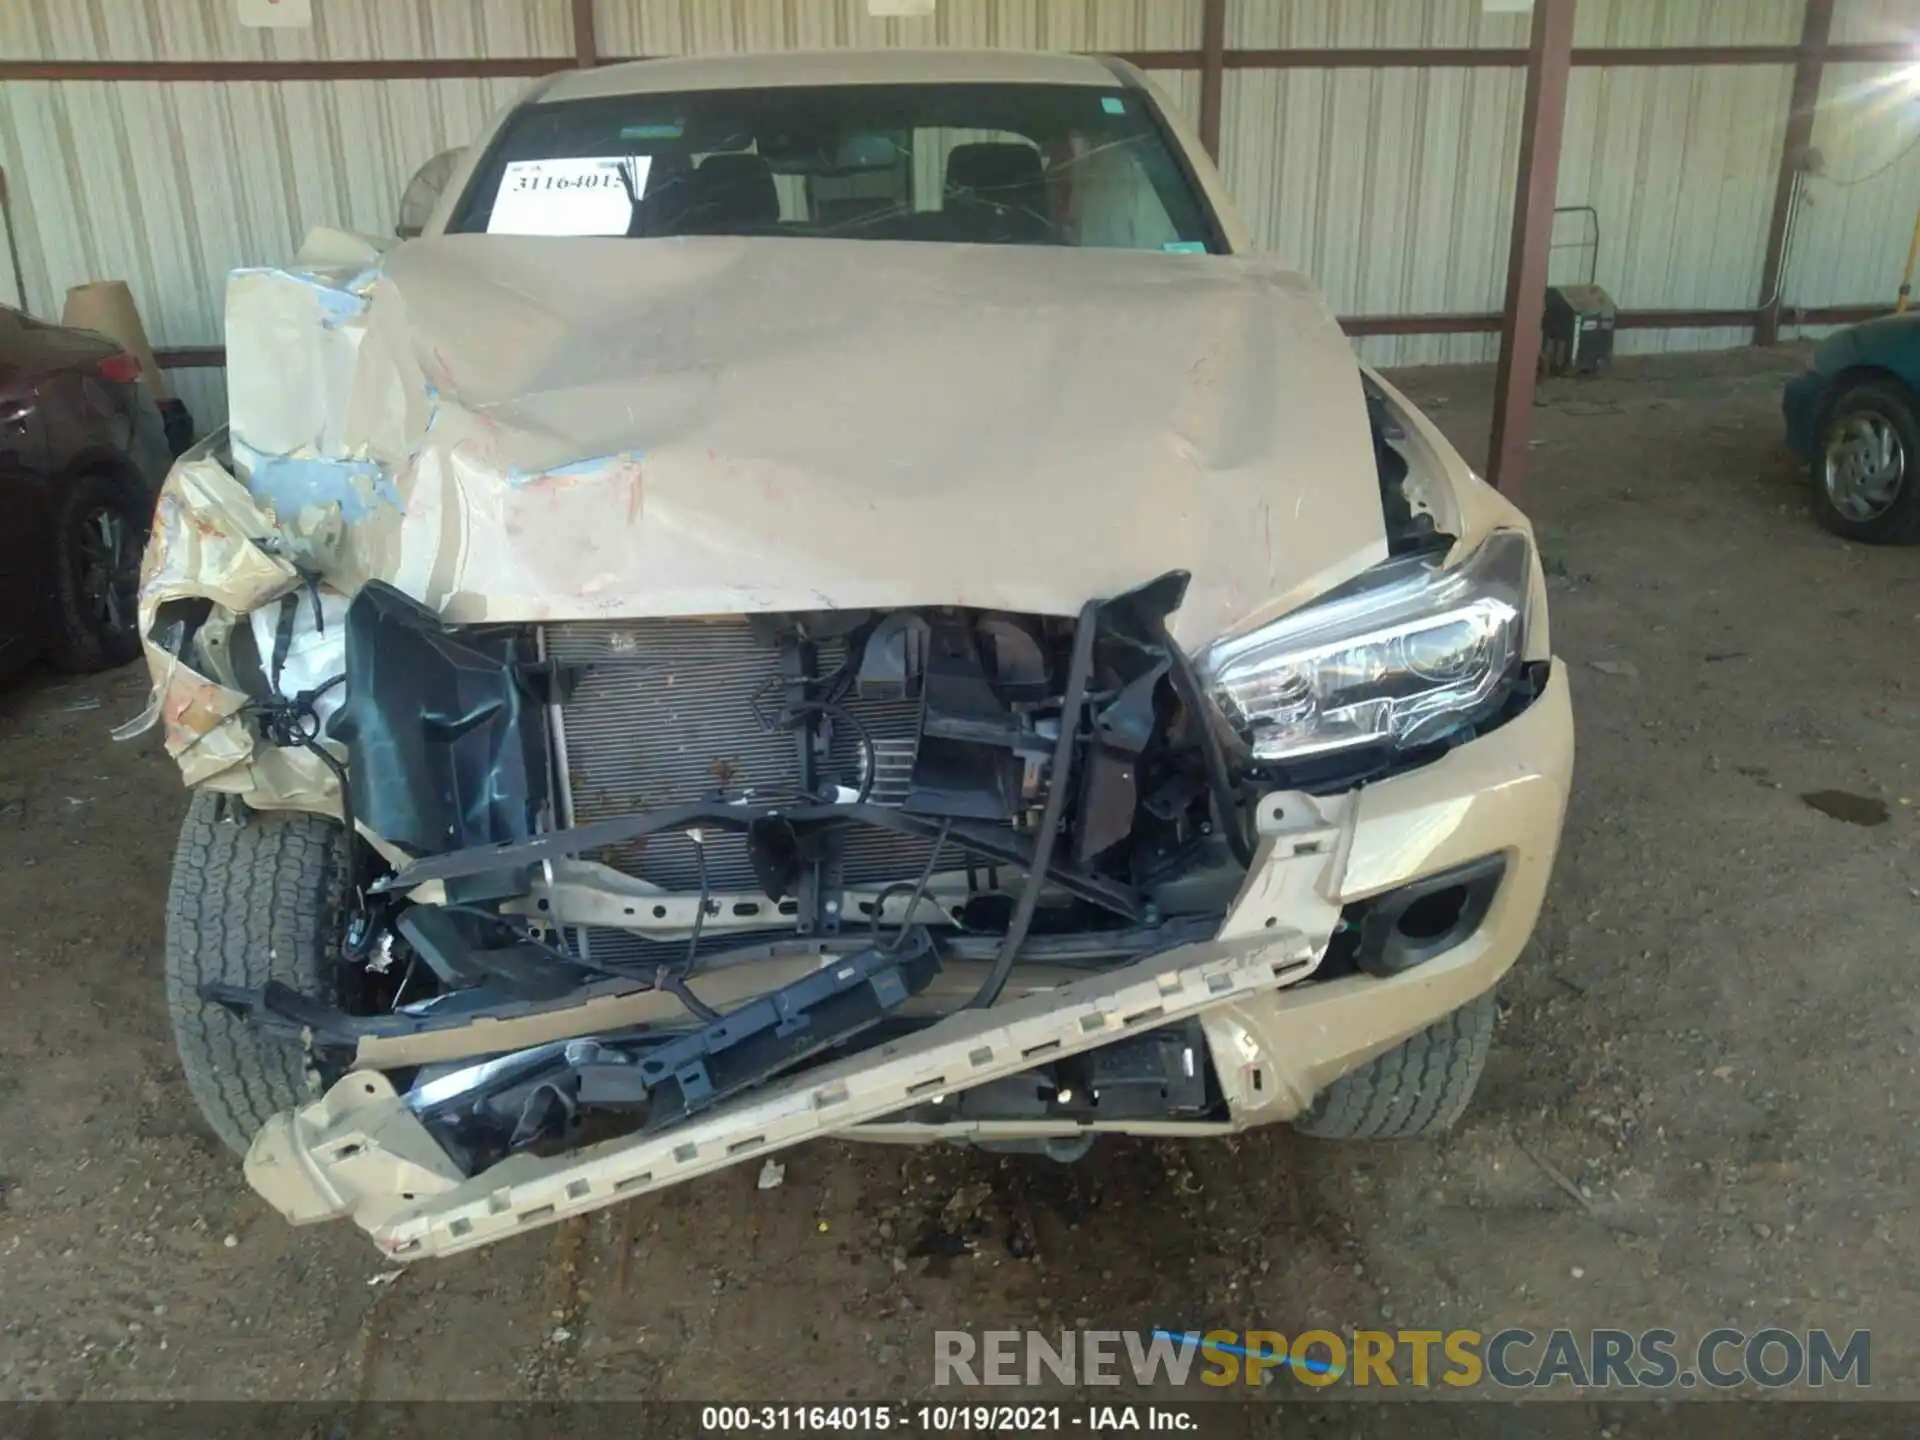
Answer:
(215, 555)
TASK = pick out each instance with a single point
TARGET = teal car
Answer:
(1854, 416)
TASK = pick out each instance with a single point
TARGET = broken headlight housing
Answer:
(1400, 656)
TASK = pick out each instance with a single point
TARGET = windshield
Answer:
(986, 164)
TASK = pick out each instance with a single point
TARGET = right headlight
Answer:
(1400, 656)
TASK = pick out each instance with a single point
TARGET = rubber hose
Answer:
(1186, 684)
(1079, 670)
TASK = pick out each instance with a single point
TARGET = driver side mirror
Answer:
(423, 193)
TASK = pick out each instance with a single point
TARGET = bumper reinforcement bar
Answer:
(358, 1151)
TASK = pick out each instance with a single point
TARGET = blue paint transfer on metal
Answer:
(573, 469)
(290, 483)
(593, 463)
(340, 299)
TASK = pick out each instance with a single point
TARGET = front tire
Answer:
(252, 902)
(1420, 1087)
(1864, 485)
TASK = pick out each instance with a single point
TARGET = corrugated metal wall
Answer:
(1858, 208)
(1391, 187)
(342, 30)
(1394, 188)
(698, 27)
(1680, 165)
(707, 27)
(1716, 190)
(1398, 24)
(1859, 202)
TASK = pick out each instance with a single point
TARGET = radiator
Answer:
(664, 714)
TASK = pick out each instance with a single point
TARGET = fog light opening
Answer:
(1432, 916)
(1424, 919)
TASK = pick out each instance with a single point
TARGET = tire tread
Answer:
(1420, 1087)
(247, 903)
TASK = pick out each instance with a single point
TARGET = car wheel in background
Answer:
(1864, 483)
(100, 533)
(1420, 1087)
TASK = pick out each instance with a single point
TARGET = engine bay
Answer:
(644, 866)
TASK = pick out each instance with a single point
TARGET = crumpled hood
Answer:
(536, 428)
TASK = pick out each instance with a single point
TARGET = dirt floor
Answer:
(1700, 1110)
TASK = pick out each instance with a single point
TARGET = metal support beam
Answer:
(1816, 26)
(586, 51)
(1213, 71)
(170, 71)
(13, 243)
(1543, 115)
(1902, 52)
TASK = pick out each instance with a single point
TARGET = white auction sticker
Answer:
(581, 195)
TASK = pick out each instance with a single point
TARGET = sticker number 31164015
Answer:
(582, 195)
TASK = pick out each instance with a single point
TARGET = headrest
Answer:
(994, 165)
(736, 188)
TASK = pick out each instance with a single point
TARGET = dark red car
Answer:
(83, 449)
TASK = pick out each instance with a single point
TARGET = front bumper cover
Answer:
(357, 1151)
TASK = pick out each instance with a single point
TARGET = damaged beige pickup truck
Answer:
(826, 595)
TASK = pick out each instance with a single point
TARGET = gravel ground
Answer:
(1699, 1111)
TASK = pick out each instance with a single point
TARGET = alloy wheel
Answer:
(108, 569)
